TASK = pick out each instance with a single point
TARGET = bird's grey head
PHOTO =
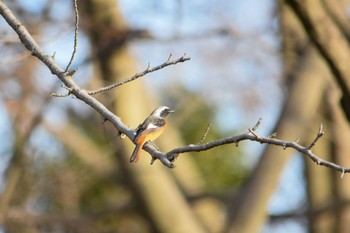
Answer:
(162, 111)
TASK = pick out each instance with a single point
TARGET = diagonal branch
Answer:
(166, 158)
(148, 70)
(66, 77)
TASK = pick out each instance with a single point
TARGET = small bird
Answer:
(150, 129)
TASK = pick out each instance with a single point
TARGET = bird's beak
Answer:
(171, 110)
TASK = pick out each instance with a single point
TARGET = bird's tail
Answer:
(136, 153)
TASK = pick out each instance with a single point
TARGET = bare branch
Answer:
(252, 136)
(62, 95)
(148, 70)
(252, 130)
(53, 94)
(75, 47)
(205, 134)
(319, 135)
(257, 124)
(166, 158)
(254, 133)
(28, 41)
(170, 56)
(66, 77)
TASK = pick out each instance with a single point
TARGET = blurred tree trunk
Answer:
(154, 187)
(340, 134)
(327, 193)
(319, 185)
(304, 92)
(327, 33)
(340, 130)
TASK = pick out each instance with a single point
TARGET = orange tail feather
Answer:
(136, 153)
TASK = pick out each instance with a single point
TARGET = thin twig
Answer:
(257, 124)
(318, 136)
(62, 95)
(53, 94)
(205, 134)
(254, 133)
(75, 47)
(148, 70)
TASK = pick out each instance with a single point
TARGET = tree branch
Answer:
(67, 80)
(165, 158)
(28, 41)
(204, 135)
(75, 46)
(251, 135)
(148, 70)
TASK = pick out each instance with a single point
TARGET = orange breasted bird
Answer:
(150, 129)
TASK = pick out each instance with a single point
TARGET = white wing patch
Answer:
(152, 126)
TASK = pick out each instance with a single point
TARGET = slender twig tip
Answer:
(257, 124)
(205, 134)
(320, 131)
(75, 46)
(59, 95)
(170, 56)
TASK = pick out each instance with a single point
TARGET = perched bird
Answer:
(150, 129)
